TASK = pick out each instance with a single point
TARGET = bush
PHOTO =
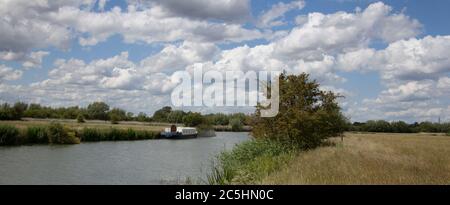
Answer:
(8, 135)
(236, 125)
(80, 118)
(58, 134)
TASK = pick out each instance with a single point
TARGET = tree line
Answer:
(398, 127)
(102, 111)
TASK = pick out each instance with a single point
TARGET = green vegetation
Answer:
(371, 158)
(37, 135)
(236, 124)
(8, 135)
(57, 133)
(102, 111)
(307, 115)
(113, 134)
(307, 118)
(80, 118)
(250, 162)
(193, 119)
(399, 127)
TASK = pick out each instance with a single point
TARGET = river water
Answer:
(124, 162)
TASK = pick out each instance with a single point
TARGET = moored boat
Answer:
(175, 132)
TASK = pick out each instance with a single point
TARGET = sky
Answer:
(390, 59)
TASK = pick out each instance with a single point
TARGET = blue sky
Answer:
(384, 56)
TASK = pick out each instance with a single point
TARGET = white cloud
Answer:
(341, 31)
(30, 60)
(404, 60)
(7, 73)
(173, 57)
(227, 10)
(273, 16)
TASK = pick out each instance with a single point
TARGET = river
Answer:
(123, 162)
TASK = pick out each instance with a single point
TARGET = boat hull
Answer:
(177, 136)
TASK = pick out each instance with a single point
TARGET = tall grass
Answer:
(249, 162)
(8, 135)
(37, 135)
(371, 159)
(56, 133)
(113, 134)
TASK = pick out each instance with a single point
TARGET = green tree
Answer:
(130, 116)
(19, 109)
(162, 114)
(176, 116)
(116, 115)
(193, 119)
(98, 110)
(307, 115)
(142, 117)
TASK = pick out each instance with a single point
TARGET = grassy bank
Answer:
(372, 159)
(362, 158)
(57, 133)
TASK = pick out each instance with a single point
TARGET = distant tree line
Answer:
(102, 111)
(167, 114)
(398, 127)
(94, 111)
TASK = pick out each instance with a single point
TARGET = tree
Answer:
(175, 116)
(162, 114)
(98, 110)
(307, 115)
(130, 116)
(142, 117)
(192, 119)
(116, 115)
(19, 108)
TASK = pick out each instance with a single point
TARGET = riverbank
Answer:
(361, 158)
(57, 133)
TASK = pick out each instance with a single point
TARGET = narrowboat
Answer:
(175, 132)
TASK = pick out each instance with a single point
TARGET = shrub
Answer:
(58, 134)
(80, 118)
(8, 135)
(236, 124)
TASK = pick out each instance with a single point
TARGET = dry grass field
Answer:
(372, 158)
(89, 124)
